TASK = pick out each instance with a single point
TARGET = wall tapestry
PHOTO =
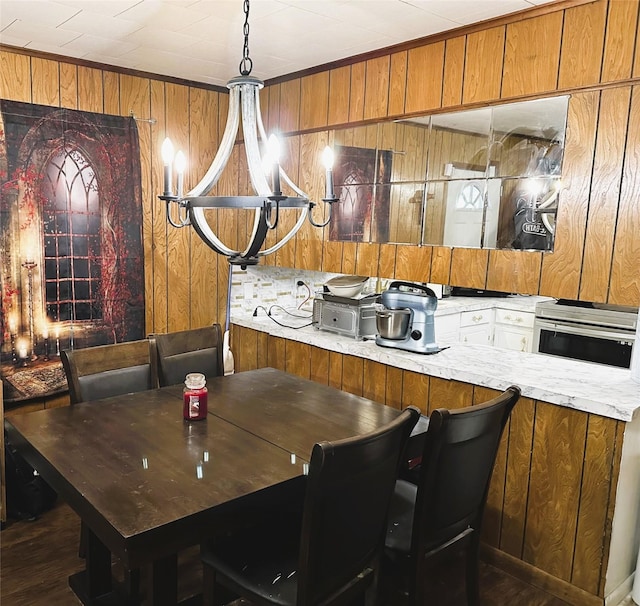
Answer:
(361, 177)
(71, 258)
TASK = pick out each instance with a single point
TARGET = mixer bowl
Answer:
(393, 323)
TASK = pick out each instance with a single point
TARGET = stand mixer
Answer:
(405, 319)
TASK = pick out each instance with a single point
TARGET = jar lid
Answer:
(195, 380)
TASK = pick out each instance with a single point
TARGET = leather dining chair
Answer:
(186, 351)
(103, 371)
(438, 510)
(323, 548)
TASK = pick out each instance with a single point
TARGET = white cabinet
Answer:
(447, 328)
(513, 330)
(476, 327)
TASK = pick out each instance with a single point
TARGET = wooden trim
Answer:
(536, 577)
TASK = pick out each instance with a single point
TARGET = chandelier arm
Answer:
(269, 208)
(205, 232)
(258, 236)
(323, 224)
(292, 232)
(226, 147)
(250, 112)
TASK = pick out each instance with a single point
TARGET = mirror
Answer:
(482, 178)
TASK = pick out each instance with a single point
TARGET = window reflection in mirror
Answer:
(486, 178)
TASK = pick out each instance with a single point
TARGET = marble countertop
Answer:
(592, 388)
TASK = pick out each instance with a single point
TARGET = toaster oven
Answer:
(354, 318)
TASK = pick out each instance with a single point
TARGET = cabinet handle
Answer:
(507, 317)
(476, 318)
(519, 319)
(524, 343)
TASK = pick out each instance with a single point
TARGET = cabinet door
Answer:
(512, 337)
(480, 334)
(447, 328)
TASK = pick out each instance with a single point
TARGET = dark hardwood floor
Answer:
(37, 557)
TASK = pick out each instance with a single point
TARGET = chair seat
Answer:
(401, 512)
(263, 559)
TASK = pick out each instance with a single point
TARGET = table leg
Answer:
(162, 582)
(95, 580)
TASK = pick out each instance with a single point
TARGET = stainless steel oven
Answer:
(592, 332)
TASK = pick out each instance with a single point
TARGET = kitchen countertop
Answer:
(593, 388)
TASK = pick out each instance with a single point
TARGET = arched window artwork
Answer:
(470, 198)
(71, 221)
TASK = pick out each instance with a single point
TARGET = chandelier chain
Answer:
(246, 65)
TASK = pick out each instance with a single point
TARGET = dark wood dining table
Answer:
(148, 484)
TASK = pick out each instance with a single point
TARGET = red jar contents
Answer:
(195, 397)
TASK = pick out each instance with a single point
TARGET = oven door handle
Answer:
(587, 331)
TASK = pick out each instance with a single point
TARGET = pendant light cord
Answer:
(246, 65)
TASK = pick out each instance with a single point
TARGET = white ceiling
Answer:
(202, 40)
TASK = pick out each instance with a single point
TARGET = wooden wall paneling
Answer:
(554, 490)
(454, 65)
(625, 277)
(314, 100)
(15, 76)
(424, 81)
(413, 263)
(483, 65)
(367, 255)
(289, 119)
(45, 77)
(592, 534)
(619, 40)
(415, 390)
(582, 45)
(514, 271)
(397, 83)
(203, 143)
(448, 394)
(273, 109)
(111, 88)
(276, 352)
(319, 365)
(376, 93)
(532, 54)
(157, 266)
(332, 253)
(178, 240)
(352, 374)
(335, 369)
(605, 190)
(263, 350)
(356, 91)
(387, 261)
(374, 381)
(349, 256)
(90, 89)
(516, 489)
(69, 85)
(394, 388)
(440, 265)
(561, 269)
(245, 351)
(339, 95)
(636, 59)
(469, 267)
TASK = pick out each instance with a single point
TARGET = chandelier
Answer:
(189, 209)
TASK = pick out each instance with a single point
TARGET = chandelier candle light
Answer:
(243, 101)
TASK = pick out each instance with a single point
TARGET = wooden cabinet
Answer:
(513, 330)
(476, 327)
(447, 328)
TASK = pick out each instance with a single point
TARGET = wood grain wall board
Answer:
(349, 257)
(554, 491)
(469, 267)
(298, 359)
(448, 394)
(263, 350)
(320, 365)
(625, 286)
(561, 269)
(483, 65)
(376, 94)
(514, 271)
(619, 40)
(352, 375)
(247, 349)
(387, 261)
(636, 59)
(45, 82)
(273, 109)
(69, 85)
(582, 45)
(454, 66)
(413, 263)
(516, 490)
(440, 265)
(276, 356)
(91, 90)
(332, 256)
(532, 54)
(314, 100)
(111, 87)
(289, 116)
(339, 95)
(335, 369)
(424, 80)
(394, 388)
(397, 83)
(356, 91)
(156, 307)
(415, 390)
(605, 191)
(374, 381)
(15, 76)
(367, 256)
(590, 543)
